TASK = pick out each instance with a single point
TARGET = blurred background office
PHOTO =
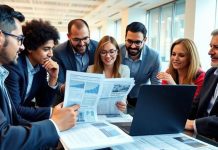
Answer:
(166, 20)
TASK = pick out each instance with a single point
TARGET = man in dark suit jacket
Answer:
(78, 52)
(205, 111)
(28, 78)
(16, 133)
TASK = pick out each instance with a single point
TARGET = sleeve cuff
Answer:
(56, 127)
(194, 126)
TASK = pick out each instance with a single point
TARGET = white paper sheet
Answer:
(165, 142)
(93, 135)
(95, 94)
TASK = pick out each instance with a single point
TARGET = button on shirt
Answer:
(133, 65)
(31, 71)
(3, 75)
(82, 61)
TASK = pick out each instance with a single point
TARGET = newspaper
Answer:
(178, 141)
(93, 136)
(114, 90)
(83, 89)
(95, 94)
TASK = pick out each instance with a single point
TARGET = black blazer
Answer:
(17, 83)
(16, 133)
(64, 56)
(207, 124)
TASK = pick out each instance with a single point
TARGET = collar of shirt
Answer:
(3, 73)
(216, 72)
(30, 67)
(128, 57)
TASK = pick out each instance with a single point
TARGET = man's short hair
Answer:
(79, 23)
(7, 15)
(136, 27)
(214, 32)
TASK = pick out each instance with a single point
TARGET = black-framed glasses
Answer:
(78, 40)
(111, 52)
(137, 43)
(20, 38)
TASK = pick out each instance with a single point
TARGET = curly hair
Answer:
(37, 33)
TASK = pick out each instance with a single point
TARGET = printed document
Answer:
(114, 90)
(93, 136)
(84, 89)
(178, 141)
(95, 94)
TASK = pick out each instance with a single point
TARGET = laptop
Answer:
(162, 109)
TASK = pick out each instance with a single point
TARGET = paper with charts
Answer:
(85, 136)
(177, 141)
(95, 94)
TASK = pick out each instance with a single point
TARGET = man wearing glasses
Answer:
(15, 132)
(78, 52)
(143, 62)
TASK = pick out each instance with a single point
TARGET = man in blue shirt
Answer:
(78, 52)
(37, 135)
(32, 93)
(143, 62)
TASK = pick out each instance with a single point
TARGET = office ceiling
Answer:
(60, 12)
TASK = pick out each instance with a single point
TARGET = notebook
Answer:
(162, 109)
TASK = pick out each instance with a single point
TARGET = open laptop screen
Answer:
(162, 109)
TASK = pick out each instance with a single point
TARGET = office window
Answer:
(117, 30)
(99, 30)
(165, 24)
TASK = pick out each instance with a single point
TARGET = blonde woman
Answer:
(184, 67)
(108, 62)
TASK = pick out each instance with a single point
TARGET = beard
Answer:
(81, 49)
(5, 58)
(134, 51)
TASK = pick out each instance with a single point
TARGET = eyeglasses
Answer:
(111, 52)
(19, 38)
(137, 43)
(78, 40)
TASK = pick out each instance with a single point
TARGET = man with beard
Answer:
(143, 62)
(15, 132)
(205, 112)
(77, 53)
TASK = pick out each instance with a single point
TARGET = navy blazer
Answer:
(17, 83)
(16, 133)
(207, 124)
(64, 56)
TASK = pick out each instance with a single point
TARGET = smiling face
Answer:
(10, 47)
(179, 57)
(79, 38)
(213, 52)
(134, 43)
(42, 53)
(108, 54)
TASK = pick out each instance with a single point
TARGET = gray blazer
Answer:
(148, 70)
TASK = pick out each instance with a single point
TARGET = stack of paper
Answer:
(95, 94)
